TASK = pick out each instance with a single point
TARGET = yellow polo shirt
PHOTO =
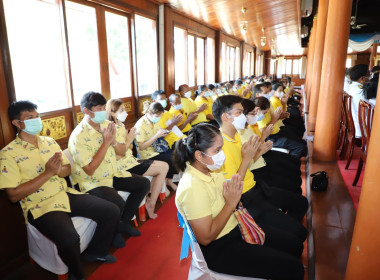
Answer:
(175, 112)
(21, 162)
(255, 129)
(189, 106)
(84, 143)
(199, 196)
(128, 160)
(171, 138)
(245, 134)
(267, 119)
(145, 130)
(200, 100)
(276, 102)
(232, 150)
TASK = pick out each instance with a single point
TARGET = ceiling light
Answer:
(244, 23)
(263, 39)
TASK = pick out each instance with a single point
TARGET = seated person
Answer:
(212, 92)
(33, 171)
(359, 75)
(167, 121)
(208, 202)
(347, 80)
(148, 136)
(177, 109)
(93, 146)
(203, 97)
(261, 90)
(238, 87)
(288, 174)
(370, 88)
(128, 163)
(263, 202)
(281, 138)
(189, 106)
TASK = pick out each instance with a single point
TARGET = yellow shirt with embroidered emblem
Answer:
(175, 112)
(128, 161)
(84, 143)
(189, 106)
(199, 195)
(145, 130)
(200, 100)
(21, 162)
(232, 150)
(171, 138)
(267, 119)
(245, 135)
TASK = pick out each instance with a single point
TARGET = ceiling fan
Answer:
(353, 22)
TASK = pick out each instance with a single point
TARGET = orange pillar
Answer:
(373, 56)
(363, 261)
(317, 62)
(332, 78)
(310, 58)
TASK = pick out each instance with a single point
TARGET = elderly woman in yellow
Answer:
(207, 201)
(94, 145)
(33, 171)
(149, 136)
(128, 163)
(177, 109)
(204, 98)
(189, 106)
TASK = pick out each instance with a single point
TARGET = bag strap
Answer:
(318, 173)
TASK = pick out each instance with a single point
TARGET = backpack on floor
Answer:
(320, 181)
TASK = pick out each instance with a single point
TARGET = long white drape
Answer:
(280, 66)
(362, 46)
(303, 67)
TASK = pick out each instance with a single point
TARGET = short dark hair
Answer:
(157, 93)
(248, 105)
(370, 89)
(223, 104)
(276, 86)
(375, 68)
(257, 89)
(261, 102)
(267, 84)
(91, 99)
(202, 88)
(200, 138)
(211, 86)
(238, 82)
(181, 88)
(17, 107)
(358, 71)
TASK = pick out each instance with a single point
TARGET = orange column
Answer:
(363, 261)
(310, 58)
(317, 62)
(373, 56)
(332, 78)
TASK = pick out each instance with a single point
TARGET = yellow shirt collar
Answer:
(192, 170)
(27, 145)
(229, 139)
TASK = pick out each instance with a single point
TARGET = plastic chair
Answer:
(365, 121)
(198, 267)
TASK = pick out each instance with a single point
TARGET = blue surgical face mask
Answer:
(99, 117)
(33, 126)
(154, 119)
(267, 96)
(178, 107)
(207, 94)
(260, 117)
(163, 102)
(219, 91)
(188, 94)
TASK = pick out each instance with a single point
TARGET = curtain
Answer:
(280, 64)
(303, 67)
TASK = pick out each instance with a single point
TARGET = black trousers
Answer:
(296, 148)
(167, 157)
(263, 203)
(59, 228)
(230, 254)
(137, 186)
(284, 159)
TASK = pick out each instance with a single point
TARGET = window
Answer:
(180, 56)
(272, 66)
(349, 62)
(37, 54)
(190, 61)
(237, 64)
(84, 49)
(200, 61)
(231, 66)
(210, 60)
(292, 67)
(296, 67)
(288, 67)
(146, 49)
(118, 55)
(224, 59)
(248, 64)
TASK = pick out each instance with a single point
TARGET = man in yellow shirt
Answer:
(177, 109)
(189, 106)
(93, 146)
(167, 120)
(204, 98)
(33, 168)
(261, 200)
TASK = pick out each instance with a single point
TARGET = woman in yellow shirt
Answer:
(149, 132)
(207, 201)
(203, 97)
(157, 169)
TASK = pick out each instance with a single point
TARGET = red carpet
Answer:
(349, 175)
(153, 255)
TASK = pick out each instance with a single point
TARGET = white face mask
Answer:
(280, 94)
(218, 160)
(188, 94)
(239, 122)
(251, 120)
(122, 116)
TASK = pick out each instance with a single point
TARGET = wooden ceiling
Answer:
(279, 18)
